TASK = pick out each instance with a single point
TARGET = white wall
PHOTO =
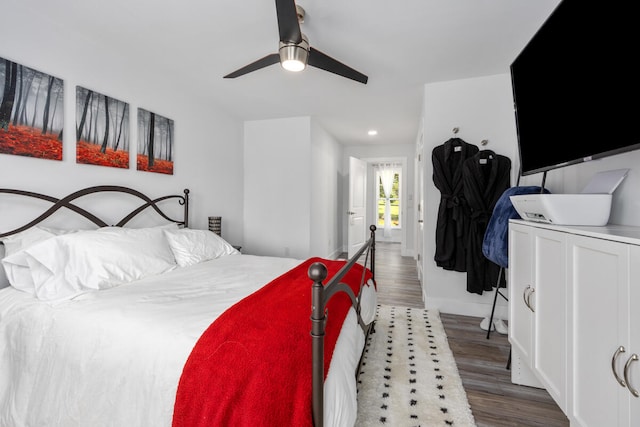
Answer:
(290, 188)
(208, 142)
(276, 187)
(482, 108)
(326, 156)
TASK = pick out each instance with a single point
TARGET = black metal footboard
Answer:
(321, 294)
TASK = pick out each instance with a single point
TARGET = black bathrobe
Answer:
(485, 176)
(453, 214)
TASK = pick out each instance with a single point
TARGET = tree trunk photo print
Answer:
(31, 112)
(155, 143)
(102, 130)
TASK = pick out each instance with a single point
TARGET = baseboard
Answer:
(335, 254)
(521, 373)
(474, 309)
(407, 252)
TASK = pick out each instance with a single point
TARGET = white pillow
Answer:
(67, 265)
(4, 282)
(60, 231)
(17, 271)
(191, 246)
(24, 239)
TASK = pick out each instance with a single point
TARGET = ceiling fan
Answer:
(295, 52)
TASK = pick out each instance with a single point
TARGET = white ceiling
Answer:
(401, 45)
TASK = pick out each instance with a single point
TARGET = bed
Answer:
(165, 325)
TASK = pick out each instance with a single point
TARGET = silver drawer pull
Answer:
(627, 365)
(526, 296)
(613, 365)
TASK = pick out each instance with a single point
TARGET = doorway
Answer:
(399, 233)
(388, 181)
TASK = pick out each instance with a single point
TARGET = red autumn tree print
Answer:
(155, 143)
(102, 129)
(31, 112)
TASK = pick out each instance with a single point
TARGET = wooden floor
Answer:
(494, 400)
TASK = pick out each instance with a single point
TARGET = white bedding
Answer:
(114, 357)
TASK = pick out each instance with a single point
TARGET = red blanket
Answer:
(252, 366)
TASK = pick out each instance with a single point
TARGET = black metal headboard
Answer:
(65, 202)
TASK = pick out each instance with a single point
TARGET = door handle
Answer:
(350, 213)
(613, 366)
(526, 295)
(633, 358)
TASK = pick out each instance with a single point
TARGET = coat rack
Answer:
(455, 131)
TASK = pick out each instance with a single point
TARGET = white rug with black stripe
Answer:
(409, 376)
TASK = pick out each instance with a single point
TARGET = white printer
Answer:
(591, 207)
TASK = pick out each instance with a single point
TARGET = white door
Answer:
(550, 330)
(356, 213)
(634, 332)
(598, 277)
(420, 209)
(521, 294)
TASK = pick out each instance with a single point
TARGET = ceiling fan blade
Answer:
(325, 62)
(274, 58)
(288, 24)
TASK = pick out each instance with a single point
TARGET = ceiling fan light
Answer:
(294, 65)
(293, 57)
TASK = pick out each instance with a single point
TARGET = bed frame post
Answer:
(372, 257)
(317, 272)
(320, 295)
(186, 208)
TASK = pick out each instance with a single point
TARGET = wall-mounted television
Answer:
(576, 86)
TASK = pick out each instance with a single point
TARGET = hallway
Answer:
(494, 400)
(397, 277)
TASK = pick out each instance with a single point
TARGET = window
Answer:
(393, 174)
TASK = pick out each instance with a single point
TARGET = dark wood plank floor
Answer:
(494, 400)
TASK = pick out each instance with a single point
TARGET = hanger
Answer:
(455, 140)
(486, 156)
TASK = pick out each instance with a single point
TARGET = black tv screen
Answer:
(575, 86)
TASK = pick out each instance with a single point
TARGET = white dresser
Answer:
(574, 325)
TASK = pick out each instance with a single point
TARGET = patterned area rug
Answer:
(409, 376)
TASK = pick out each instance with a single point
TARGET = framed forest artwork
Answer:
(31, 112)
(155, 143)
(102, 129)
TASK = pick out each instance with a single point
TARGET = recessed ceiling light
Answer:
(372, 132)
